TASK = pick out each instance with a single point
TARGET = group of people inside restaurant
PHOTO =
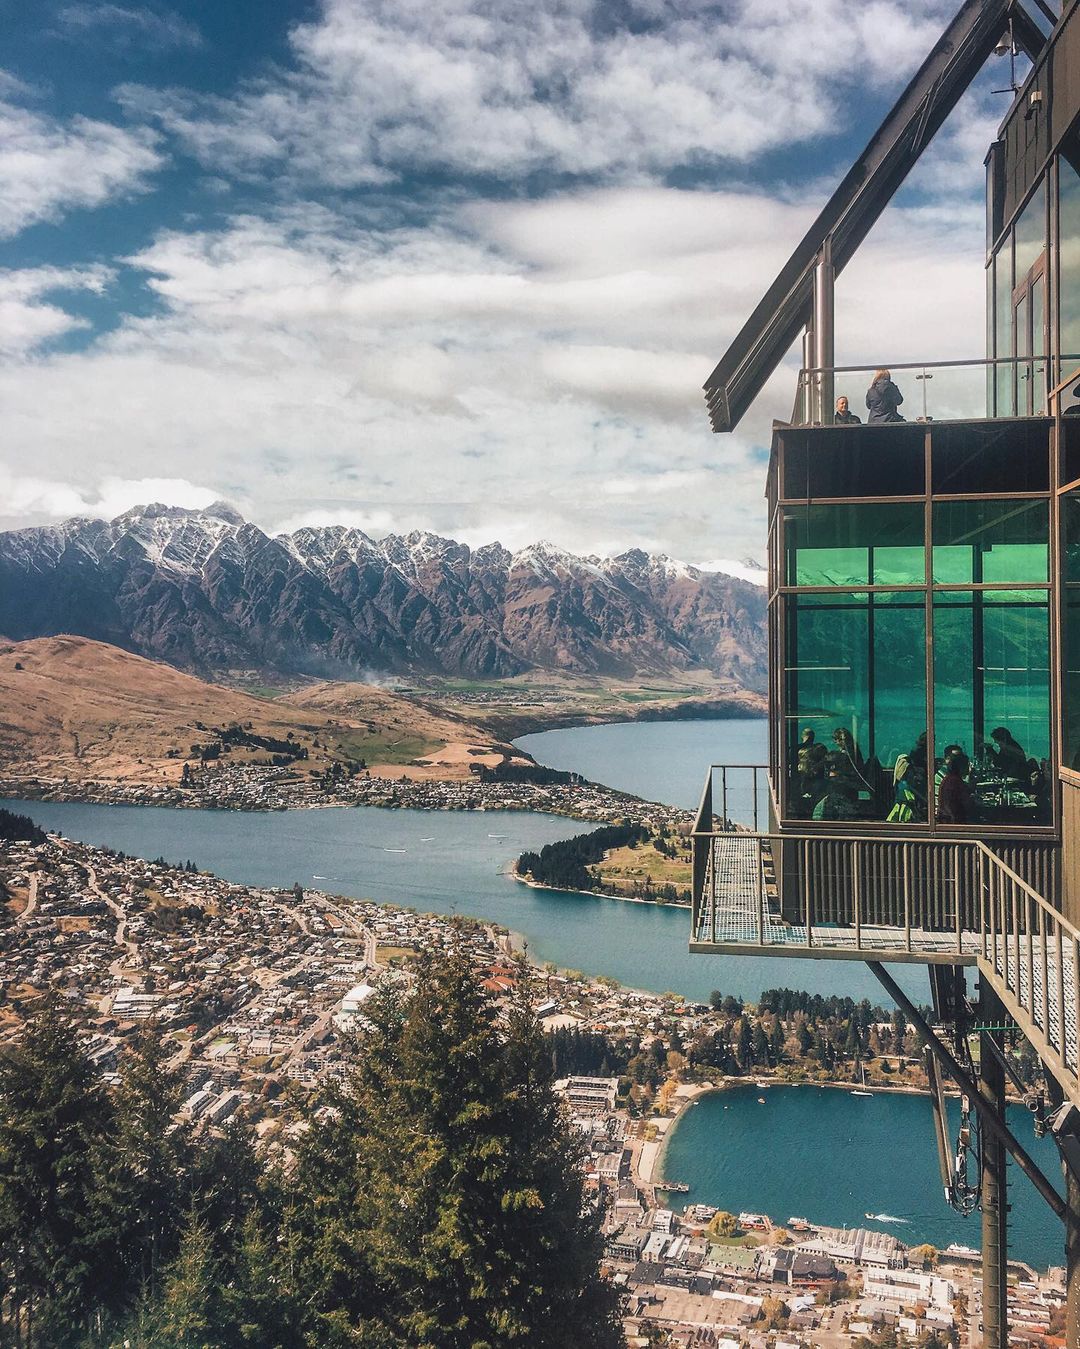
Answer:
(883, 399)
(837, 783)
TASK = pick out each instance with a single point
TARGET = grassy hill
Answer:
(85, 710)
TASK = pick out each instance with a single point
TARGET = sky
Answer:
(459, 265)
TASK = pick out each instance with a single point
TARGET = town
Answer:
(254, 990)
(223, 786)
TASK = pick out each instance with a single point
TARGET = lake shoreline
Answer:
(595, 894)
(727, 1084)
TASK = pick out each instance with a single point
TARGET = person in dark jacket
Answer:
(882, 399)
(956, 801)
(844, 415)
(1009, 757)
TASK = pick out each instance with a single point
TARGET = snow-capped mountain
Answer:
(206, 590)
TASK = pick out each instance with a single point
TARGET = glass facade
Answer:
(875, 597)
(1069, 257)
(855, 544)
(855, 698)
(1070, 637)
(1003, 328)
(992, 706)
(991, 542)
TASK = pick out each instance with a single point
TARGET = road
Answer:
(32, 898)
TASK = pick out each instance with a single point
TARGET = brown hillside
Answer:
(83, 709)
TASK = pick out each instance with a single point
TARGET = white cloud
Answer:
(509, 88)
(499, 374)
(121, 25)
(49, 166)
(49, 499)
(27, 319)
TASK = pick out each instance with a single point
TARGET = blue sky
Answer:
(450, 265)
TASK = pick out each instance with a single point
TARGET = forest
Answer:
(565, 865)
(19, 829)
(433, 1198)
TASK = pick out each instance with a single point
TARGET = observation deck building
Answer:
(921, 800)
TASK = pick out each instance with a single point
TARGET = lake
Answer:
(456, 862)
(798, 1153)
(831, 1157)
(659, 760)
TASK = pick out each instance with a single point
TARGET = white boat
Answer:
(858, 1091)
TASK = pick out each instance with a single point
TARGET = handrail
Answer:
(1043, 903)
(966, 363)
(885, 896)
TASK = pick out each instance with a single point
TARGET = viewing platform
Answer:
(891, 899)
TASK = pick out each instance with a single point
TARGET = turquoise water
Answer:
(659, 760)
(826, 1155)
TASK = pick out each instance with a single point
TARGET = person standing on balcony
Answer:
(844, 415)
(882, 399)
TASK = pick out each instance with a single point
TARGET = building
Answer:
(921, 800)
(909, 1288)
(589, 1095)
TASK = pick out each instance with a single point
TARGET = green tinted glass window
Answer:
(990, 542)
(1070, 681)
(992, 706)
(857, 544)
(855, 705)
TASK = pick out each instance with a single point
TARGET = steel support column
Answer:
(995, 1208)
(824, 357)
(1072, 1259)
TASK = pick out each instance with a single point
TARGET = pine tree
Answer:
(261, 1305)
(140, 1173)
(439, 1201)
(53, 1115)
(188, 1313)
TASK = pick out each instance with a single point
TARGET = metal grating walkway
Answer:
(1027, 951)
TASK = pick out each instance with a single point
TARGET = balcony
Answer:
(889, 898)
(967, 390)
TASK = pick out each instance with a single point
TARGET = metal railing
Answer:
(978, 388)
(1031, 954)
(888, 898)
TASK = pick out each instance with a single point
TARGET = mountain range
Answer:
(207, 591)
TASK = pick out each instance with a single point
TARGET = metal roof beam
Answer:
(859, 201)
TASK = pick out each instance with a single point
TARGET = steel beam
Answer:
(994, 1201)
(967, 1084)
(1072, 1260)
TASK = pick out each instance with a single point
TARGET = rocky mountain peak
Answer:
(207, 591)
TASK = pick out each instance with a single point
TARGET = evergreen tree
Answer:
(140, 1171)
(189, 1313)
(457, 1215)
(261, 1305)
(53, 1116)
(743, 1043)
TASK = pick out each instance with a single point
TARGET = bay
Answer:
(450, 862)
(822, 1154)
(658, 760)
